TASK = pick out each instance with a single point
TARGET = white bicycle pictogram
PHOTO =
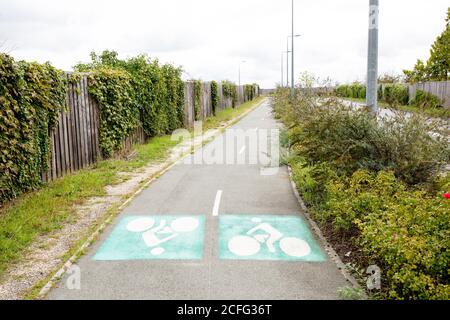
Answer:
(150, 233)
(250, 244)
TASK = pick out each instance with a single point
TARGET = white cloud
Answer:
(209, 38)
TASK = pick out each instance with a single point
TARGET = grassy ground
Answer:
(49, 208)
(437, 113)
(228, 114)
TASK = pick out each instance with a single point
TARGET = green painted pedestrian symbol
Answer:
(155, 237)
(244, 237)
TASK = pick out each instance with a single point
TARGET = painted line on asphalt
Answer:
(215, 212)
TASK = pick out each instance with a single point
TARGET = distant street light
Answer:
(287, 50)
(282, 77)
(372, 58)
(240, 71)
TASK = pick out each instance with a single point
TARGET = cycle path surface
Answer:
(227, 227)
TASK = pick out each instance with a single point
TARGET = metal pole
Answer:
(282, 68)
(292, 44)
(287, 63)
(372, 60)
(239, 74)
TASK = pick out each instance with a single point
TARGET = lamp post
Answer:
(287, 50)
(282, 77)
(372, 58)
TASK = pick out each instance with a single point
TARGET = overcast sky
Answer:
(208, 38)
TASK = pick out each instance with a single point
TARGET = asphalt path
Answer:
(226, 227)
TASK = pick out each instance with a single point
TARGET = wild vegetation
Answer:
(376, 188)
(396, 96)
(135, 92)
(31, 96)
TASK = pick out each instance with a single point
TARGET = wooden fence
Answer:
(75, 140)
(440, 89)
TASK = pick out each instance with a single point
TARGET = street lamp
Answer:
(287, 50)
(240, 71)
(282, 77)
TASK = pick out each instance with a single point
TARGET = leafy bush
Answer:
(350, 140)
(425, 100)
(355, 91)
(366, 179)
(405, 232)
(396, 94)
(31, 96)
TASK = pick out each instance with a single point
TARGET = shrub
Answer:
(396, 94)
(404, 231)
(31, 97)
(425, 100)
(350, 140)
(366, 178)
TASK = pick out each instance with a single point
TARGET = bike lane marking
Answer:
(267, 237)
(155, 238)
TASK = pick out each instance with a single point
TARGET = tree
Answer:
(437, 67)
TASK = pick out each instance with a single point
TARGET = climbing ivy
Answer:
(152, 96)
(214, 96)
(197, 99)
(229, 90)
(112, 88)
(31, 96)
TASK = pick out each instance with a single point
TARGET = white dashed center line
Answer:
(215, 212)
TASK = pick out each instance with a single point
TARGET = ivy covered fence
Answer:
(53, 123)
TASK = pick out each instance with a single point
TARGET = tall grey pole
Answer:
(282, 68)
(372, 60)
(287, 63)
(292, 63)
(239, 74)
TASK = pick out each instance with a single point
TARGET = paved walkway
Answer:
(211, 231)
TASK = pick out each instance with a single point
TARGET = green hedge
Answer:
(133, 92)
(393, 94)
(31, 96)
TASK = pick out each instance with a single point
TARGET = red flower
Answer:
(447, 195)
